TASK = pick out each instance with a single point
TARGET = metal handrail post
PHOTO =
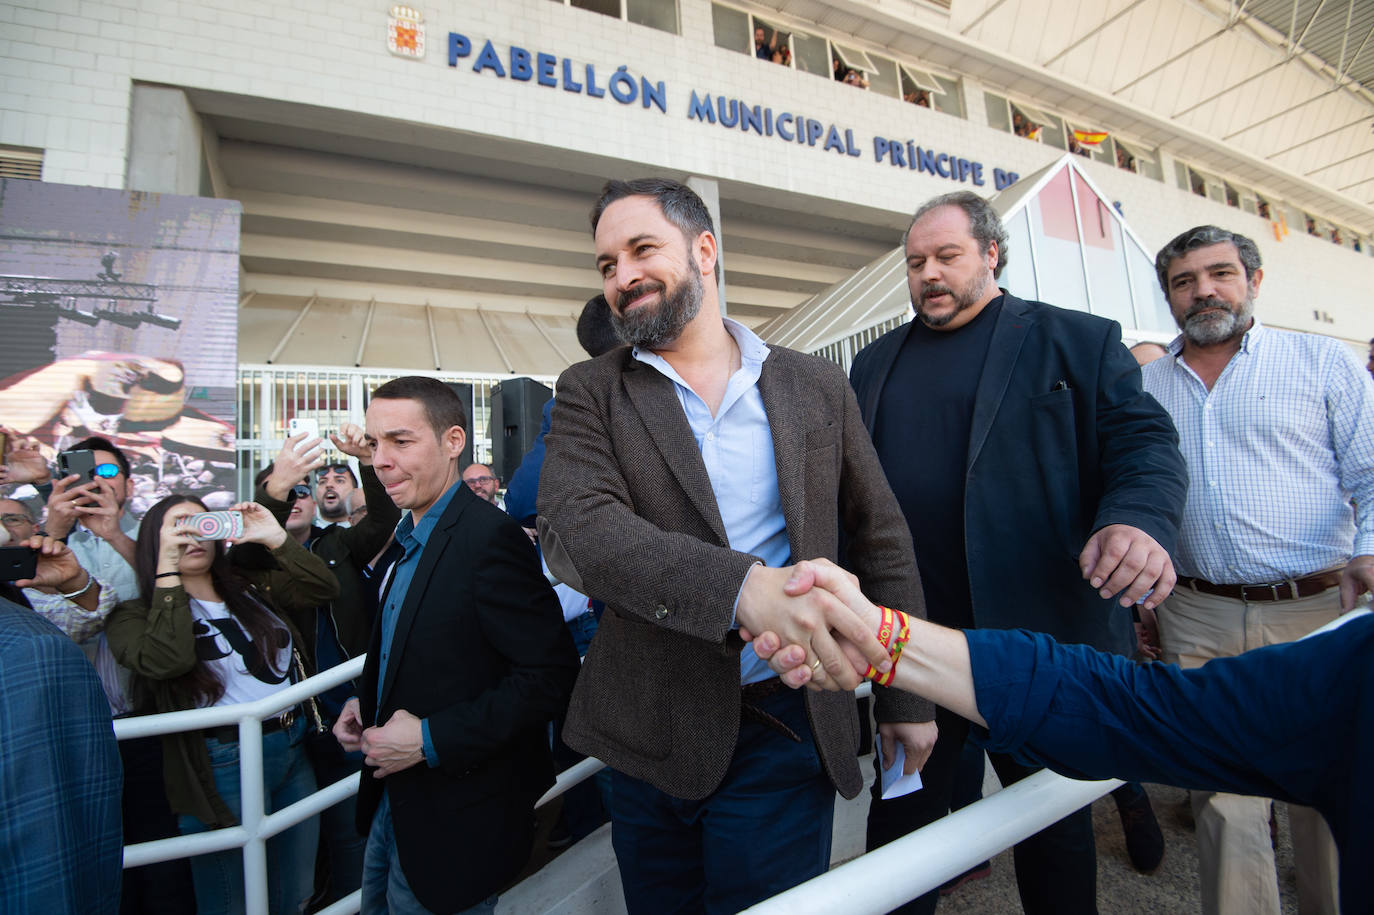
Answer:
(251, 812)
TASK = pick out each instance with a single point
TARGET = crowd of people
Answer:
(724, 522)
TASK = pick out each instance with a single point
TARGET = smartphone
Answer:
(17, 563)
(298, 424)
(4, 446)
(81, 463)
(215, 525)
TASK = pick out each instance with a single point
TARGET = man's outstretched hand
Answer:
(783, 603)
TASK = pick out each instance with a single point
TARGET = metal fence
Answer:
(889, 876)
(270, 395)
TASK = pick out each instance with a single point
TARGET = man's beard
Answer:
(651, 326)
(338, 513)
(964, 299)
(1204, 327)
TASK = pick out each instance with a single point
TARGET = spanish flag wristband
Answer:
(894, 630)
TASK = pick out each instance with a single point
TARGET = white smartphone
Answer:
(298, 424)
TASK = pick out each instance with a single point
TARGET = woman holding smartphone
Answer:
(213, 627)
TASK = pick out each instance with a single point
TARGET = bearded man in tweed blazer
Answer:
(683, 475)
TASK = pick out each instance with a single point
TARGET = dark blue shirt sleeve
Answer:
(522, 488)
(1271, 722)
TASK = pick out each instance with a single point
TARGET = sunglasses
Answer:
(301, 491)
(106, 471)
(332, 468)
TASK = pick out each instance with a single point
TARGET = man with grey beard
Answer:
(1042, 488)
(1278, 431)
(684, 475)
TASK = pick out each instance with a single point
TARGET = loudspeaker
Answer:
(464, 392)
(517, 409)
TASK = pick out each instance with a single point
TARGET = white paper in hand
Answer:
(895, 784)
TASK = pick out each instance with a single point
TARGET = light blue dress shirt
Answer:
(1276, 451)
(412, 537)
(737, 448)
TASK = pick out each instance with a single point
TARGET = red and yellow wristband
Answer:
(894, 630)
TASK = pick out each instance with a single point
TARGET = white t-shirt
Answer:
(221, 644)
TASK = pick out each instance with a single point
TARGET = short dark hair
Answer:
(1202, 237)
(100, 443)
(442, 407)
(595, 331)
(679, 204)
(30, 510)
(983, 222)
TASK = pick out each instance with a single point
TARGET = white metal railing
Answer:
(890, 876)
(923, 860)
(256, 826)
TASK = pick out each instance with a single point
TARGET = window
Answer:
(811, 54)
(921, 87)
(999, 112)
(1136, 157)
(1205, 185)
(656, 14)
(16, 162)
(736, 30)
(948, 100)
(1182, 176)
(854, 60)
(604, 7)
(776, 39)
(1100, 151)
(884, 77)
(1035, 124)
(731, 27)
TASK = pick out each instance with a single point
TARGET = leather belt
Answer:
(229, 733)
(753, 693)
(1283, 590)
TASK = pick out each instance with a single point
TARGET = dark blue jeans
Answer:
(766, 828)
(385, 888)
(287, 778)
(339, 838)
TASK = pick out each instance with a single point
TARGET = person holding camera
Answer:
(217, 627)
(338, 629)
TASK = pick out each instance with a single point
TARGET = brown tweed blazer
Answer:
(627, 516)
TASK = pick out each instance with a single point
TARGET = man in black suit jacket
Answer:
(1027, 459)
(469, 661)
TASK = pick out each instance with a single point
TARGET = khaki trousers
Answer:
(1235, 856)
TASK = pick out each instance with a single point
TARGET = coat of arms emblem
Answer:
(405, 32)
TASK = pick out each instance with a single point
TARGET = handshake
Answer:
(813, 625)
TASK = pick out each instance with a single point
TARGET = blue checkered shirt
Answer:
(60, 774)
(1276, 451)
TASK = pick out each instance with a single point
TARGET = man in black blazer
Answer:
(1042, 486)
(469, 662)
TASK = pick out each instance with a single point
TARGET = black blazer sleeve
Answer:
(1143, 475)
(522, 622)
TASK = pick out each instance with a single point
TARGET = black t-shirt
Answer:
(922, 436)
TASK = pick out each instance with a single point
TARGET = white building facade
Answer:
(416, 181)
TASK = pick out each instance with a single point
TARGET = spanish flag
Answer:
(1089, 137)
